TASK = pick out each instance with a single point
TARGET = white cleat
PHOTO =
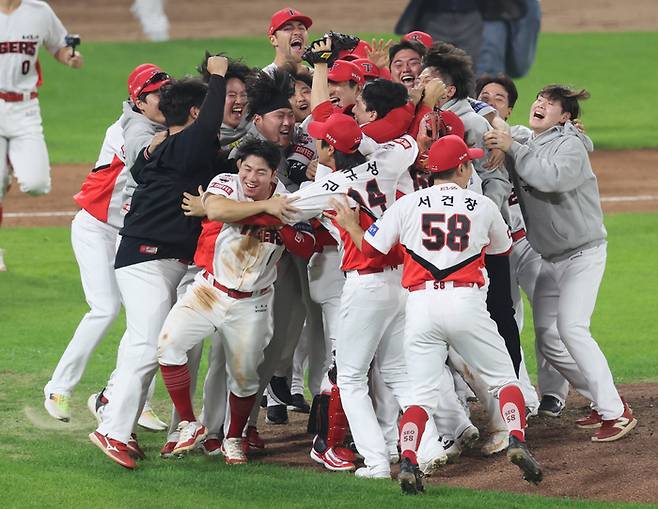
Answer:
(497, 442)
(149, 420)
(371, 473)
(57, 405)
(468, 438)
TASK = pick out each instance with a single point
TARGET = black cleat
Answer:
(279, 390)
(550, 406)
(277, 414)
(518, 453)
(299, 404)
(410, 478)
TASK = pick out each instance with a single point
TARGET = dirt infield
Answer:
(201, 19)
(627, 178)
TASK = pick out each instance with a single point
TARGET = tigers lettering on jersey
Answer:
(23, 47)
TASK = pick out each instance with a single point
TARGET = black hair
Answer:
(267, 150)
(177, 98)
(303, 76)
(382, 96)
(567, 96)
(454, 65)
(405, 44)
(267, 93)
(445, 174)
(343, 160)
(504, 81)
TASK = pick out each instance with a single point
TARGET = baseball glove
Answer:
(339, 42)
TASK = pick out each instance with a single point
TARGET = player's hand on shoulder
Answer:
(158, 138)
(281, 207)
(343, 214)
(498, 139)
(192, 204)
(217, 65)
(312, 169)
(496, 159)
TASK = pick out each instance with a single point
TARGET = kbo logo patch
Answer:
(373, 229)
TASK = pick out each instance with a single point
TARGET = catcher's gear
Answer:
(339, 42)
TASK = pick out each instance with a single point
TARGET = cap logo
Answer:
(291, 12)
(330, 138)
(367, 67)
(415, 37)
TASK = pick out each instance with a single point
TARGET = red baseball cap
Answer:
(453, 124)
(339, 130)
(421, 37)
(368, 68)
(146, 78)
(449, 152)
(280, 18)
(342, 70)
(359, 51)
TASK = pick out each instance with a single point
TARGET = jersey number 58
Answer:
(455, 238)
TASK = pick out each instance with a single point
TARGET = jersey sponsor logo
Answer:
(23, 47)
(262, 234)
(304, 151)
(373, 229)
(404, 142)
(222, 187)
(148, 250)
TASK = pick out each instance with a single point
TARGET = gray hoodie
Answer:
(558, 192)
(495, 183)
(138, 131)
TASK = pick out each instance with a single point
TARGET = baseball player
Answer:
(288, 34)
(26, 26)
(500, 92)
(405, 60)
(158, 243)
(444, 232)
(94, 237)
(153, 18)
(233, 294)
(559, 198)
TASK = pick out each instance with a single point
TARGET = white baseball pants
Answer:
(563, 303)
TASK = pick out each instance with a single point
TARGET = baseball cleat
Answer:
(550, 406)
(149, 420)
(96, 404)
(331, 460)
(372, 473)
(498, 441)
(277, 414)
(253, 438)
(410, 478)
(299, 404)
(113, 449)
(614, 429)
(518, 453)
(57, 405)
(167, 451)
(233, 452)
(191, 435)
(428, 468)
(279, 390)
(591, 421)
(468, 438)
(211, 447)
(451, 448)
(134, 449)
(393, 457)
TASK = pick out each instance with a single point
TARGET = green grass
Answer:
(78, 106)
(46, 464)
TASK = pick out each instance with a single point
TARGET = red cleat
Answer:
(167, 450)
(211, 447)
(614, 429)
(113, 449)
(134, 449)
(593, 420)
(253, 438)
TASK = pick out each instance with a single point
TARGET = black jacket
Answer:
(155, 227)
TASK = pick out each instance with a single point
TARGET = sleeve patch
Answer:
(404, 142)
(373, 229)
(222, 187)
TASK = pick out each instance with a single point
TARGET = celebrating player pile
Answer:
(355, 217)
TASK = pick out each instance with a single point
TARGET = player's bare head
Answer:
(288, 34)
(405, 62)
(181, 100)
(377, 99)
(301, 100)
(498, 91)
(269, 105)
(235, 105)
(453, 66)
(257, 163)
(555, 105)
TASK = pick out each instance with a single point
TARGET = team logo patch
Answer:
(404, 142)
(222, 187)
(373, 229)
(149, 250)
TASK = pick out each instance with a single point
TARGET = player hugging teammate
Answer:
(362, 217)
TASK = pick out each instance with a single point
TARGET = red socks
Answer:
(512, 408)
(412, 426)
(177, 380)
(240, 410)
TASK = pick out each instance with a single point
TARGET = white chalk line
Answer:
(71, 213)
